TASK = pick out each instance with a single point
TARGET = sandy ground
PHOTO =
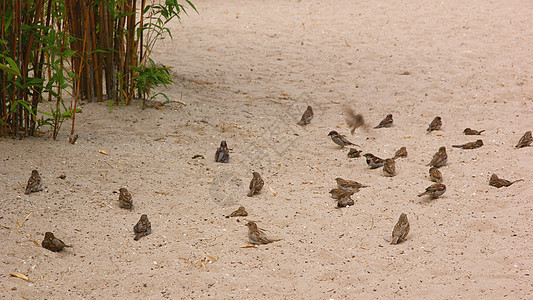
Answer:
(245, 71)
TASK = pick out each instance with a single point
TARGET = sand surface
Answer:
(245, 71)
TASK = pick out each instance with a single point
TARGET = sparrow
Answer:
(256, 184)
(257, 236)
(339, 139)
(345, 201)
(469, 131)
(353, 153)
(373, 161)
(73, 138)
(124, 199)
(525, 140)
(401, 229)
(387, 122)
(440, 158)
(307, 116)
(435, 124)
(34, 183)
(435, 175)
(353, 120)
(435, 190)
(340, 193)
(142, 228)
(240, 212)
(471, 145)
(499, 182)
(389, 168)
(402, 152)
(349, 185)
(52, 243)
(222, 153)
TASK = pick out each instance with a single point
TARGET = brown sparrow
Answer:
(339, 139)
(435, 124)
(401, 229)
(389, 168)
(353, 153)
(525, 140)
(257, 236)
(240, 212)
(34, 183)
(471, 145)
(52, 243)
(387, 122)
(73, 138)
(349, 185)
(124, 199)
(256, 184)
(435, 190)
(440, 158)
(345, 201)
(142, 228)
(402, 152)
(340, 193)
(222, 153)
(307, 116)
(469, 131)
(373, 161)
(435, 175)
(353, 120)
(499, 182)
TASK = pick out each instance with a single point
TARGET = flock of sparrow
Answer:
(342, 193)
(50, 242)
(346, 188)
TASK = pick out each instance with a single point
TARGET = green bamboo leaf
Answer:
(124, 15)
(12, 68)
(32, 81)
(23, 103)
(8, 70)
(45, 113)
(192, 5)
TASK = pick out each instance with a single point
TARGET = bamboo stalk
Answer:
(86, 67)
(78, 87)
(58, 99)
(119, 48)
(3, 99)
(109, 57)
(17, 33)
(96, 58)
(130, 50)
(72, 21)
(37, 67)
(25, 60)
(143, 5)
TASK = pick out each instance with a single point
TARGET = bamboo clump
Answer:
(93, 46)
